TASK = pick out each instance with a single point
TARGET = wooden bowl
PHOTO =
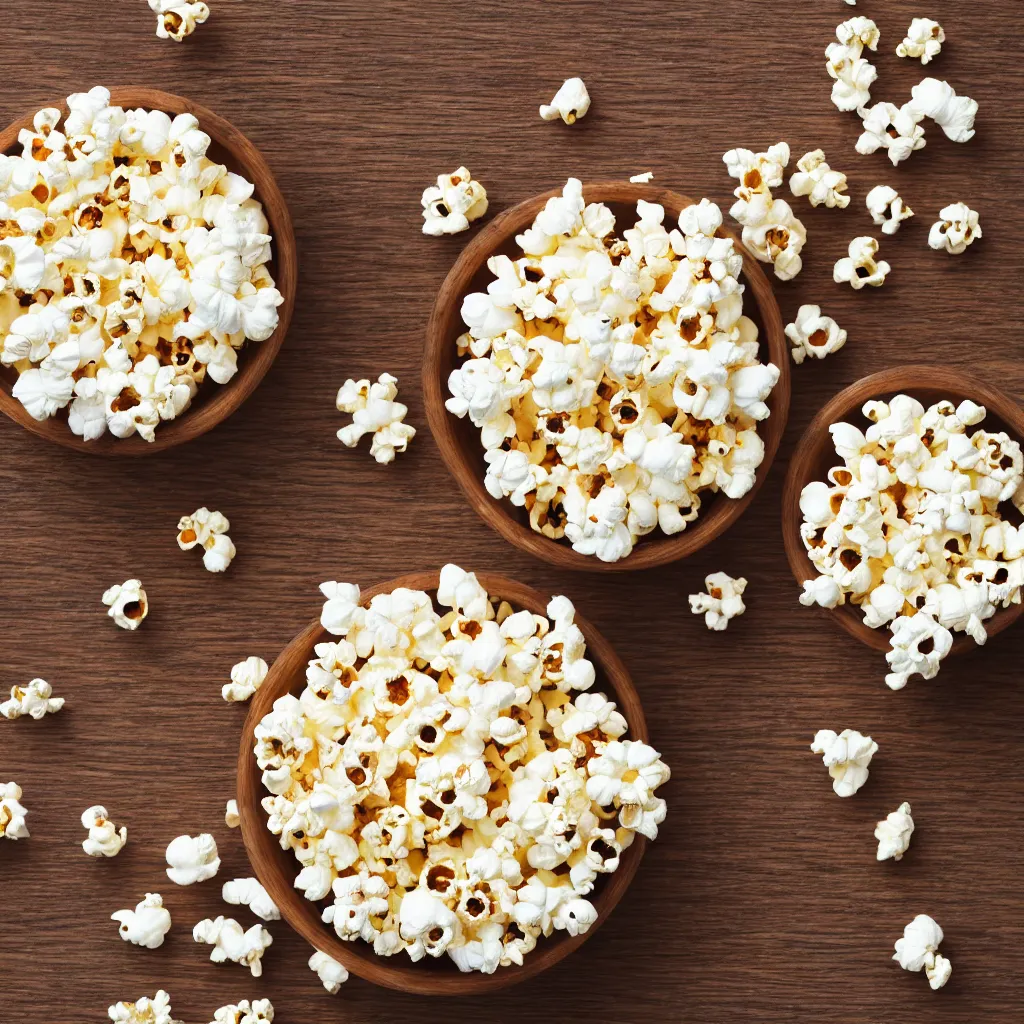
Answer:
(214, 402)
(459, 441)
(276, 868)
(815, 455)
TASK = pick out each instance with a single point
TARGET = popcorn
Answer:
(208, 530)
(919, 949)
(816, 180)
(956, 229)
(249, 893)
(723, 601)
(847, 756)
(853, 74)
(147, 924)
(246, 678)
(893, 834)
(887, 209)
(332, 974)
(860, 267)
(645, 178)
(105, 839)
(375, 411)
(919, 644)
(177, 19)
(448, 777)
(924, 39)
(192, 859)
(231, 942)
(35, 700)
(570, 103)
(450, 205)
(231, 818)
(897, 130)
(144, 1011)
(259, 1011)
(939, 101)
(12, 814)
(127, 604)
(812, 334)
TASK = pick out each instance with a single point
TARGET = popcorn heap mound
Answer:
(132, 267)
(440, 777)
(910, 529)
(614, 380)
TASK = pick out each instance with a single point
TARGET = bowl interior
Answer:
(277, 868)
(459, 440)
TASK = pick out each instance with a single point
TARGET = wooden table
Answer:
(761, 901)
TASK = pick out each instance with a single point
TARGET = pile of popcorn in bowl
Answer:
(448, 779)
(132, 266)
(614, 381)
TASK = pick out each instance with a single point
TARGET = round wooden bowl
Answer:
(276, 868)
(815, 455)
(214, 402)
(459, 441)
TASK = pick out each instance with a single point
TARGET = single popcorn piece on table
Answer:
(956, 229)
(232, 942)
(144, 1011)
(451, 204)
(12, 814)
(897, 130)
(231, 818)
(887, 209)
(722, 602)
(332, 974)
(35, 700)
(127, 604)
(105, 839)
(374, 411)
(812, 334)
(259, 1011)
(177, 19)
(147, 924)
(860, 268)
(893, 834)
(246, 678)
(496, 782)
(924, 39)
(953, 114)
(208, 530)
(644, 178)
(847, 756)
(852, 73)
(570, 103)
(816, 180)
(248, 892)
(192, 859)
(918, 950)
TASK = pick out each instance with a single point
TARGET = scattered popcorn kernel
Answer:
(643, 178)
(897, 130)
(176, 19)
(570, 103)
(105, 839)
(374, 411)
(816, 180)
(231, 942)
(846, 756)
(860, 268)
(249, 893)
(919, 644)
(893, 834)
(887, 209)
(147, 924)
(259, 1011)
(246, 678)
(859, 31)
(852, 74)
(924, 39)
(956, 229)
(12, 814)
(451, 204)
(35, 700)
(209, 531)
(127, 604)
(722, 602)
(332, 975)
(953, 114)
(231, 818)
(919, 950)
(144, 1011)
(192, 859)
(812, 334)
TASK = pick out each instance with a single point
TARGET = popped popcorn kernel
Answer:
(570, 103)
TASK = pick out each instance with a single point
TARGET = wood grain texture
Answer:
(458, 440)
(760, 901)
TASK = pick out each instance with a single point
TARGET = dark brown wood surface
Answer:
(761, 900)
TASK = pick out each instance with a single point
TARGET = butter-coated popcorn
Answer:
(209, 531)
(192, 859)
(127, 604)
(894, 832)
(144, 1011)
(248, 892)
(35, 700)
(434, 778)
(923, 40)
(332, 974)
(816, 180)
(887, 209)
(956, 228)
(375, 411)
(246, 678)
(812, 334)
(451, 204)
(232, 942)
(938, 100)
(847, 756)
(177, 19)
(570, 103)
(105, 839)
(897, 130)
(861, 268)
(722, 602)
(918, 950)
(12, 813)
(147, 924)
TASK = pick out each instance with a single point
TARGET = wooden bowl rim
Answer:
(398, 972)
(919, 377)
(256, 357)
(655, 549)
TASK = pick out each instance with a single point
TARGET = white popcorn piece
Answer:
(35, 700)
(919, 644)
(918, 950)
(860, 268)
(192, 859)
(897, 130)
(105, 839)
(248, 892)
(231, 817)
(852, 74)
(177, 19)
(723, 601)
(816, 180)
(814, 335)
(127, 604)
(144, 1011)
(953, 114)
(923, 40)
(332, 974)
(570, 103)
(147, 924)
(451, 204)
(893, 834)
(246, 678)
(859, 31)
(258, 1011)
(231, 942)
(12, 813)
(887, 209)
(375, 411)
(956, 229)
(644, 178)
(209, 531)
(847, 756)
(778, 238)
